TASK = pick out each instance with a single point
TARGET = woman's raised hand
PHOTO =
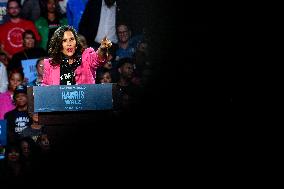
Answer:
(106, 43)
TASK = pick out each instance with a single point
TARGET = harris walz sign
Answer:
(72, 97)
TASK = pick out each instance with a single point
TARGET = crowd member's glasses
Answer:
(122, 32)
(13, 7)
(28, 38)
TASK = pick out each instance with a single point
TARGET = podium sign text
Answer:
(72, 97)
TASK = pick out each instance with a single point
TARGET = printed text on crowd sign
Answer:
(72, 97)
(29, 68)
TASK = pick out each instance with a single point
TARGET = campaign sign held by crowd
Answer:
(29, 68)
(3, 133)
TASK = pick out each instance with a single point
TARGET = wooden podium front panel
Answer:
(72, 118)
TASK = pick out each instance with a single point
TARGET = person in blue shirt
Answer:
(74, 12)
(39, 70)
(126, 43)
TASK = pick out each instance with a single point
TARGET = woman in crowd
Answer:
(15, 78)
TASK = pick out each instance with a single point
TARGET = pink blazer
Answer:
(6, 103)
(84, 74)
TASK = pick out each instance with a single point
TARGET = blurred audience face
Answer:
(25, 147)
(39, 68)
(143, 47)
(106, 78)
(126, 70)
(68, 43)
(21, 99)
(44, 142)
(13, 155)
(29, 41)
(4, 59)
(83, 41)
(34, 116)
(15, 80)
(51, 6)
(123, 33)
(14, 9)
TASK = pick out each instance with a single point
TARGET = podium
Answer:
(73, 112)
(73, 117)
(71, 104)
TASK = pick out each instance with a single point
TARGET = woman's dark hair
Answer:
(55, 45)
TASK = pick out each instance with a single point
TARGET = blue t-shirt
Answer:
(22, 121)
(132, 46)
(17, 121)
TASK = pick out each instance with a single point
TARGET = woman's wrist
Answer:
(102, 54)
(102, 50)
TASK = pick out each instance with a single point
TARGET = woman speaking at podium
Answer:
(69, 63)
